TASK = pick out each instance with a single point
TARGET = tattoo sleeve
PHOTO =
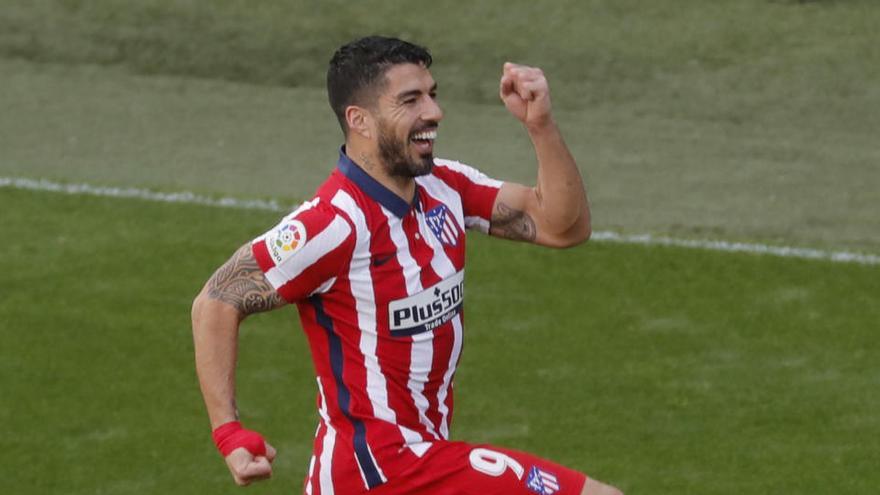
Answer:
(241, 283)
(512, 224)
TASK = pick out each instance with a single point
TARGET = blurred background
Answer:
(660, 369)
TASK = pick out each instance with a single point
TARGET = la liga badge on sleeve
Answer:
(286, 240)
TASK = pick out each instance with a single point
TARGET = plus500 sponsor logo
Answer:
(428, 309)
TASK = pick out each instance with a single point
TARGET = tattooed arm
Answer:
(241, 284)
(555, 212)
(236, 290)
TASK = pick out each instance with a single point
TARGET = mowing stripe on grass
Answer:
(187, 197)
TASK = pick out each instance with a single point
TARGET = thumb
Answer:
(257, 470)
(270, 452)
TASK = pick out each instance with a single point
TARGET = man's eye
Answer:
(409, 101)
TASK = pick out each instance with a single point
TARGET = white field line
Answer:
(740, 247)
(187, 197)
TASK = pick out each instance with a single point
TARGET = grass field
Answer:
(746, 119)
(635, 365)
(660, 369)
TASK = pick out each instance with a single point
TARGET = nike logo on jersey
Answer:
(381, 260)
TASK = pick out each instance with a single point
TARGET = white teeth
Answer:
(427, 135)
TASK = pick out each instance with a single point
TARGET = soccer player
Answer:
(375, 265)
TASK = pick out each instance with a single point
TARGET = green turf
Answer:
(663, 174)
(745, 119)
(663, 370)
(721, 53)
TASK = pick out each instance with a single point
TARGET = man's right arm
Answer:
(236, 290)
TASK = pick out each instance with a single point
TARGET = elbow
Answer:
(206, 308)
(578, 234)
(588, 231)
(573, 241)
(584, 236)
(584, 227)
(197, 309)
(202, 308)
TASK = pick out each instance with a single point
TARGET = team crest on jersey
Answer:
(443, 225)
(286, 240)
(542, 482)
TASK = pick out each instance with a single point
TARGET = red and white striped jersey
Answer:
(379, 284)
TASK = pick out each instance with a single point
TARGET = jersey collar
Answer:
(381, 194)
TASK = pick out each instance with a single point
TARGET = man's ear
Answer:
(359, 121)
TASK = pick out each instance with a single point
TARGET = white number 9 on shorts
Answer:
(494, 463)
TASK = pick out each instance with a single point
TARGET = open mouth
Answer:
(424, 140)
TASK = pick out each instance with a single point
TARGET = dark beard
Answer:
(393, 154)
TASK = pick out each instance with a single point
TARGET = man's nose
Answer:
(432, 111)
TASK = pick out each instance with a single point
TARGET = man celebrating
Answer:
(375, 264)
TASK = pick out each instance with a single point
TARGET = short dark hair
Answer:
(359, 67)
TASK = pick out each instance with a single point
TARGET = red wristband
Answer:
(230, 436)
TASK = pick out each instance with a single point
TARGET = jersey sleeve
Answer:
(478, 192)
(304, 253)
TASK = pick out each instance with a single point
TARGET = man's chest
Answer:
(409, 271)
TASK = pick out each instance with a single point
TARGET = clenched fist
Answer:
(526, 94)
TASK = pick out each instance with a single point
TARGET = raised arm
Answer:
(555, 212)
(236, 290)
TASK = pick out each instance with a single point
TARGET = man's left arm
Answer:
(555, 212)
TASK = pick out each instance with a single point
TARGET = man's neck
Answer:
(404, 187)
